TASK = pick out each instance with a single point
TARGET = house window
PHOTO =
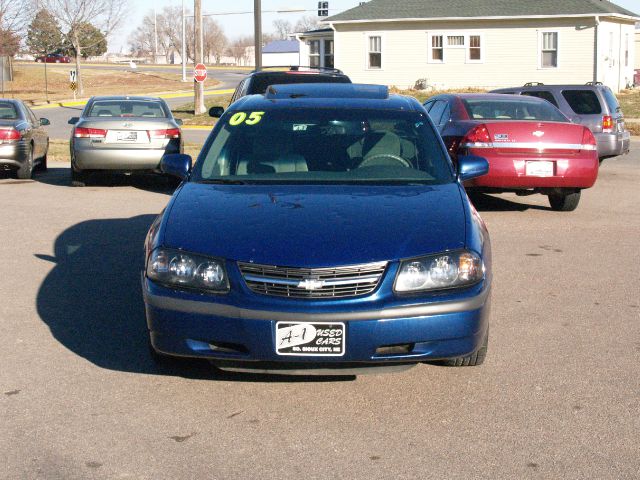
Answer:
(549, 50)
(375, 52)
(475, 48)
(328, 53)
(314, 53)
(626, 50)
(437, 48)
(455, 41)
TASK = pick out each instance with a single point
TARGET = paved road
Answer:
(59, 116)
(558, 398)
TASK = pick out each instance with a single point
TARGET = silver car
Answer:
(23, 142)
(122, 134)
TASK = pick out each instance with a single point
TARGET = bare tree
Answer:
(238, 49)
(13, 17)
(283, 28)
(215, 41)
(306, 23)
(106, 15)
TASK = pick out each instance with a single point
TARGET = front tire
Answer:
(566, 202)
(78, 178)
(475, 359)
(25, 171)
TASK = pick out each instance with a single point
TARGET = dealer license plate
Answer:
(539, 169)
(322, 339)
(127, 136)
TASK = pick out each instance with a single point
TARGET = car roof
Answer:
(328, 72)
(576, 86)
(125, 97)
(490, 96)
(334, 95)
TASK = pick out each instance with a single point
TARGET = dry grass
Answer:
(186, 111)
(59, 150)
(630, 103)
(424, 95)
(29, 82)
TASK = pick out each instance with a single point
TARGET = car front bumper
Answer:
(182, 324)
(613, 144)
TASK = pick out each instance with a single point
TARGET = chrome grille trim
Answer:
(326, 282)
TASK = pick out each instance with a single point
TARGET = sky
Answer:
(242, 24)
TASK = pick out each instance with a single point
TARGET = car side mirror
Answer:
(176, 165)
(216, 112)
(471, 166)
(178, 121)
(44, 121)
(73, 120)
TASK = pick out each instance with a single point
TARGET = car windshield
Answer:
(517, 109)
(260, 83)
(127, 108)
(8, 111)
(324, 146)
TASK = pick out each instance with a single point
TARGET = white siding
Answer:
(280, 59)
(510, 50)
(637, 50)
(612, 70)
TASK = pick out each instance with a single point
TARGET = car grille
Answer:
(338, 282)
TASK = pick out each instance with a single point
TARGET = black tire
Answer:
(567, 202)
(475, 359)
(26, 169)
(42, 165)
(78, 178)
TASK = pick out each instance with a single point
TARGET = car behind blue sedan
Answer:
(323, 229)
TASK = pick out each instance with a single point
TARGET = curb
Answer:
(78, 103)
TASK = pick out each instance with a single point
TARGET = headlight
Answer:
(446, 270)
(180, 269)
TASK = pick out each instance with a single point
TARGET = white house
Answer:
(478, 43)
(281, 53)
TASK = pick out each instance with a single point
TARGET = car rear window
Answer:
(260, 83)
(583, 102)
(612, 101)
(127, 108)
(548, 96)
(8, 111)
(517, 109)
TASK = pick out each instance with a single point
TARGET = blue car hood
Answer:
(314, 226)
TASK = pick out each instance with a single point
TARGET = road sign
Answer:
(72, 76)
(323, 9)
(200, 73)
(73, 86)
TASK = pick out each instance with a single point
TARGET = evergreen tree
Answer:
(44, 34)
(92, 40)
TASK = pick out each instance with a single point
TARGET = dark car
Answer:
(593, 105)
(122, 134)
(23, 142)
(53, 58)
(323, 228)
(530, 145)
(258, 81)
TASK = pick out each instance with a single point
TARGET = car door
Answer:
(39, 134)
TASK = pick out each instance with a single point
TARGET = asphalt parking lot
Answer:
(558, 397)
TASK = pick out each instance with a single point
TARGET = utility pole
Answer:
(257, 32)
(155, 35)
(198, 87)
(184, 45)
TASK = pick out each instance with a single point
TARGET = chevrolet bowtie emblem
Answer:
(538, 133)
(311, 284)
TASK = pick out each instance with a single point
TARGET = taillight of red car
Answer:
(607, 124)
(83, 132)
(9, 135)
(168, 133)
(588, 140)
(477, 137)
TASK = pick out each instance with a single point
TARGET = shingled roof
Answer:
(434, 9)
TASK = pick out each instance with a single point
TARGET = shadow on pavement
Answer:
(489, 203)
(61, 177)
(92, 302)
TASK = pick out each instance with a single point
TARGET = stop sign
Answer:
(200, 73)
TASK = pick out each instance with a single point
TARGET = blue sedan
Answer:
(323, 229)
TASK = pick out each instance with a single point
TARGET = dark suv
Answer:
(258, 81)
(593, 105)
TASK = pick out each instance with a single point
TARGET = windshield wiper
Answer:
(221, 181)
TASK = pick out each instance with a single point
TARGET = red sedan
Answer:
(530, 145)
(53, 58)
